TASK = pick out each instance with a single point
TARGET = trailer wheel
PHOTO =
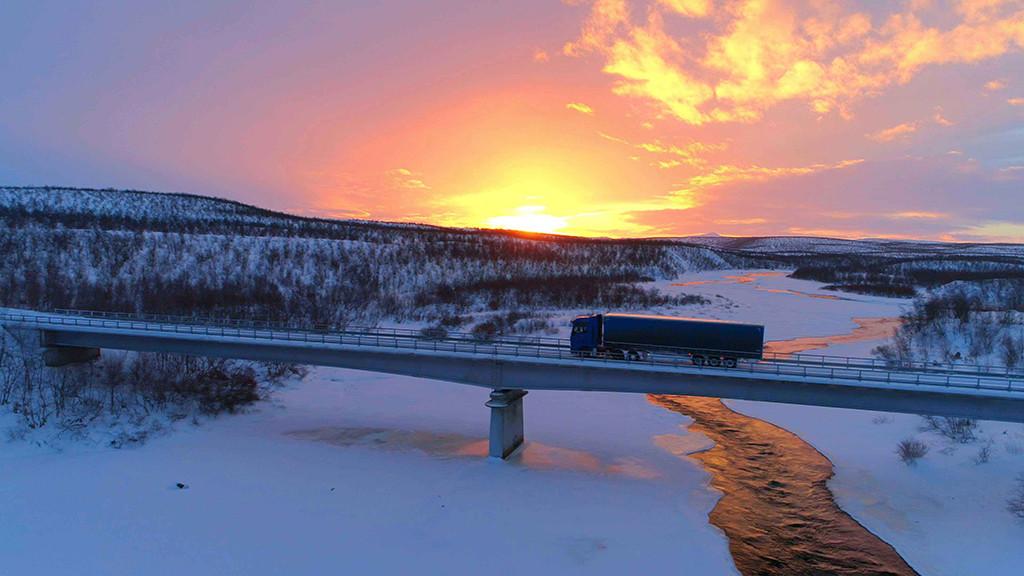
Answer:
(729, 362)
(632, 355)
(716, 362)
(697, 360)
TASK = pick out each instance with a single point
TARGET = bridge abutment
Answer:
(55, 355)
(506, 422)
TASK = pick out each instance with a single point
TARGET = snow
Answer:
(357, 472)
(787, 308)
(602, 486)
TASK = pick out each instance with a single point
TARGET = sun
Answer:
(528, 219)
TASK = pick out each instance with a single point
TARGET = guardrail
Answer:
(798, 357)
(847, 370)
(269, 324)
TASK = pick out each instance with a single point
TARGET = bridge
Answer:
(511, 366)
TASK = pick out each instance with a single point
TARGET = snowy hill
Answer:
(809, 245)
(132, 250)
(140, 251)
(133, 209)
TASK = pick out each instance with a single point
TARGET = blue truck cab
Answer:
(585, 337)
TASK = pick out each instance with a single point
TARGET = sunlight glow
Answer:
(528, 219)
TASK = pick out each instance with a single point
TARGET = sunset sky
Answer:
(605, 118)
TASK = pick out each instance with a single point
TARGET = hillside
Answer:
(181, 253)
(140, 251)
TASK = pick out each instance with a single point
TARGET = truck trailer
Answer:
(637, 336)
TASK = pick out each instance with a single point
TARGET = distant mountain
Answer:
(140, 210)
(811, 245)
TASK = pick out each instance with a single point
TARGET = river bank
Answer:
(776, 508)
(947, 514)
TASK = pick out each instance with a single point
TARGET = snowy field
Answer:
(354, 473)
(357, 472)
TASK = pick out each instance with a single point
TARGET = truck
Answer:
(637, 336)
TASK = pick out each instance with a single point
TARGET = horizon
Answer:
(606, 119)
(525, 233)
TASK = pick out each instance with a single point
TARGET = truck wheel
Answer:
(716, 362)
(697, 360)
(729, 362)
(632, 355)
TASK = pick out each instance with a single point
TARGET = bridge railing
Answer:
(797, 357)
(283, 326)
(846, 370)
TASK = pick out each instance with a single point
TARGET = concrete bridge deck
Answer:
(509, 367)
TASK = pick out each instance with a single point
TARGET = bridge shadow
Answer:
(532, 455)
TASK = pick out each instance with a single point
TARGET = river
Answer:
(776, 508)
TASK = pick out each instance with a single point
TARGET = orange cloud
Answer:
(691, 154)
(940, 119)
(763, 52)
(697, 8)
(740, 221)
(644, 63)
(728, 173)
(580, 107)
(1015, 101)
(898, 131)
(995, 85)
(540, 56)
(918, 215)
(605, 17)
(405, 178)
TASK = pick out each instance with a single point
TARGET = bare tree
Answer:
(910, 451)
(959, 430)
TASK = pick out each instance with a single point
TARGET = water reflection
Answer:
(732, 279)
(753, 276)
(804, 294)
(867, 330)
(533, 455)
(776, 508)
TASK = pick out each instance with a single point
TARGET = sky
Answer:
(625, 118)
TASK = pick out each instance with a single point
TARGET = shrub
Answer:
(1011, 351)
(486, 330)
(131, 393)
(434, 332)
(959, 430)
(910, 451)
(223, 390)
(984, 453)
(1016, 502)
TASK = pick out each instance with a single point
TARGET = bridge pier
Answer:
(506, 422)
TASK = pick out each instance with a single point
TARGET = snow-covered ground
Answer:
(351, 472)
(359, 472)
